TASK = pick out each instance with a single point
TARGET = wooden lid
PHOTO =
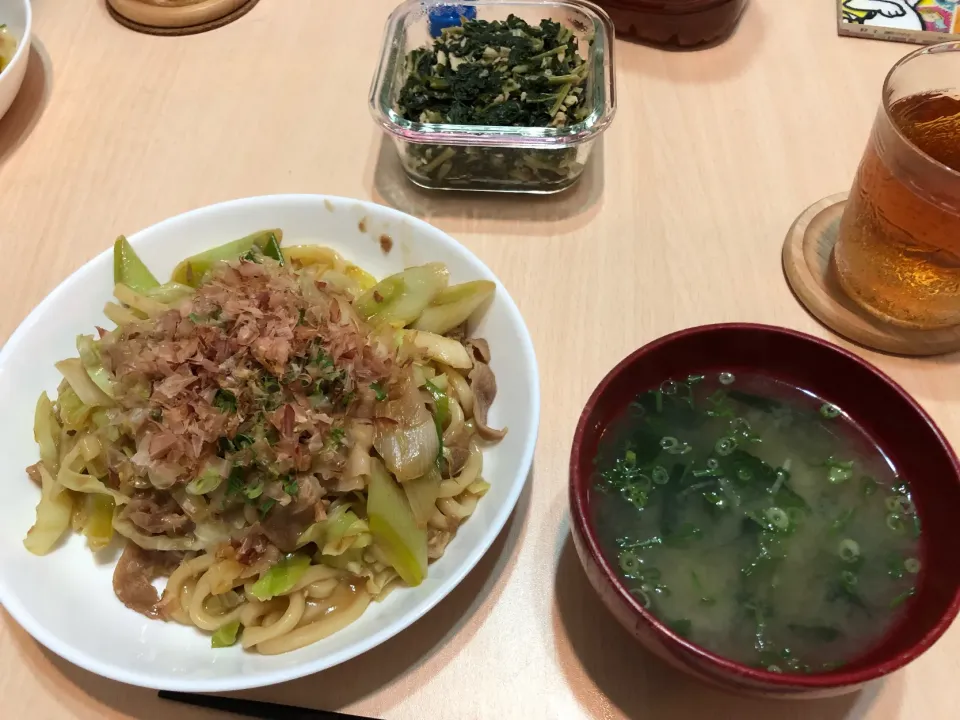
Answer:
(808, 266)
(177, 17)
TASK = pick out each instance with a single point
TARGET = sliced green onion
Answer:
(895, 522)
(668, 387)
(839, 474)
(848, 578)
(225, 401)
(668, 443)
(848, 550)
(630, 563)
(830, 411)
(726, 378)
(899, 504)
(712, 464)
(635, 495)
(902, 598)
(906, 505)
(694, 379)
(207, 481)
(254, 490)
(660, 475)
(725, 446)
(744, 474)
(740, 425)
(642, 596)
(911, 565)
(778, 518)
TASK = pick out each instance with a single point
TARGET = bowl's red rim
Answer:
(579, 486)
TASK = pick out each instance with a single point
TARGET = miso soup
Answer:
(757, 520)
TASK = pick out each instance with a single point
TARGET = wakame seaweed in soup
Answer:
(756, 520)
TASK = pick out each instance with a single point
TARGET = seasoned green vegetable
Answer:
(500, 73)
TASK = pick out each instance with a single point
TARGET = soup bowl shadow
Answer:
(898, 425)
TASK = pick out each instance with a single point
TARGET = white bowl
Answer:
(17, 16)
(66, 601)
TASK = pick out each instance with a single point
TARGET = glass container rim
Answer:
(951, 46)
(602, 68)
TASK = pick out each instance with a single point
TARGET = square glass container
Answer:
(496, 158)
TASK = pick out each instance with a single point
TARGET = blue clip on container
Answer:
(444, 16)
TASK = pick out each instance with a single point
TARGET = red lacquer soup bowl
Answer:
(884, 410)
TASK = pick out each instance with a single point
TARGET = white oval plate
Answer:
(65, 600)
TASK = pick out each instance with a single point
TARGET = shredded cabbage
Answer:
(281, 577)
(344, 532)
(226, 635)
(86, 389)
(98, 527)
(90, 357)
(153, 542)
(73, 413)
(53, 515)
(46, 431)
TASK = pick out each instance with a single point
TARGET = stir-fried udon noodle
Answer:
(8, 47)
(282, 437)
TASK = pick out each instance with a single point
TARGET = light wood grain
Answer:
(156, 13)
(679, 222)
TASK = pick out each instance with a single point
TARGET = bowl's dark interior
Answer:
(896, 423)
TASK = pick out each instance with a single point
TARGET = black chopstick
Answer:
(255, 708)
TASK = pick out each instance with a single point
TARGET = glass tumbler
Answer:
(898, 252)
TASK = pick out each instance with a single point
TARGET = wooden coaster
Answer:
(808, 266)
(177, 17)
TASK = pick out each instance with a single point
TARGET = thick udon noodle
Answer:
(325, 600)
(210, 587)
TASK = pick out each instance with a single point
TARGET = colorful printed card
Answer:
(914, 21)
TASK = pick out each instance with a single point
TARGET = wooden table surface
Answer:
(678, 221)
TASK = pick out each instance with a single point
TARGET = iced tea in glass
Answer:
(898, 254)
